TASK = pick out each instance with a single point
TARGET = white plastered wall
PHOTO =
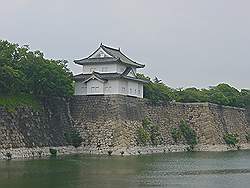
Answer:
(80, 88)
(121, 86)
(102, 68)
(111, 87)
(94, 87)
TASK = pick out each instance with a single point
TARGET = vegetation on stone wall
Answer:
(222, 94)
(149, 133)
(184, 131)
(176, 134)
(188, 133)
(248, 137)
(143, 136)
(231, 139)
(53, 152)
(26, 72)
(73, 138)
(10, 102)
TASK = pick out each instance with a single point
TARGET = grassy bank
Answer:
(11, 102)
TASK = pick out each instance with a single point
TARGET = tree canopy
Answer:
(26, 71)
(222, 94)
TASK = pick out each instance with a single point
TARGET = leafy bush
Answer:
(149, 133)
(143, 136)
(176, 134)
(146, 123)
(248, 137)
(9, 155)
(155, 136)
(73, 138)
(11, 102)
(231, 139)
(110, 152)
(188, 133)
(53, 151)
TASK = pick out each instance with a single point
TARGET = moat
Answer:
(190, 169)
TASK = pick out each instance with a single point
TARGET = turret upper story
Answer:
(108, 60)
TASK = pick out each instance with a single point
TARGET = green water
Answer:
(201, 169)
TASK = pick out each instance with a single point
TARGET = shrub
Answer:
(11, 102)
(149, 133)
(146, 123)
(9, 155)
(155, 135)
(176, 134)
(110, 152)
(231, 139)
(248, 137)
(73, 138)
(143, 136)
(53, 151)
(188, 134)
(40, 153)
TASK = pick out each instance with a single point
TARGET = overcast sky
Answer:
(183, 42)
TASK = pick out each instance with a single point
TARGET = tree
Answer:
(24, 71)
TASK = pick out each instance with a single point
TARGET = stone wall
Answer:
(25, 127)
(111, 123)
(108, 122)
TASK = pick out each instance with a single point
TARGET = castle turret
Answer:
(108, 71)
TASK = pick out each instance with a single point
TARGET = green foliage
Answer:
(155, 135)
(222, 94)
(231, 139)
(143, 136)
(53, 151)
(146, 123)
(11, 102)
(24, 71)
(149, 133)
(188, 133)
(176, 134)
(156, 90)
(248, 137)
(73, 138)
(8, 155)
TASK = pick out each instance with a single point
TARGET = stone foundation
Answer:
(44, 152)
(107, 122)
(111, 123)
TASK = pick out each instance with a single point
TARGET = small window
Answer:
(130, 90)
(139, 91)
(108, 89)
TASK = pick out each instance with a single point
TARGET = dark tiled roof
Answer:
(96, 60)
(126, 71)
(117, 56)
(106, 76)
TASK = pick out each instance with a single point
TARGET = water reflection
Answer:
(225, 169)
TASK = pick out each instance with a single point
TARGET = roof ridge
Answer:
(111, 48)
(118, 50)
